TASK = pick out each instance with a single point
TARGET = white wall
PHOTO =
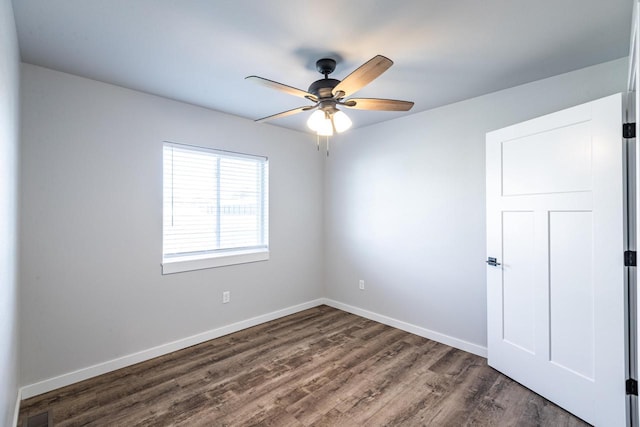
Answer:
(9, 110)
(91, 286)
(405, 204)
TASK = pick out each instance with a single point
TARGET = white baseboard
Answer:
(16, 410)
(131, 359)
(417, 330)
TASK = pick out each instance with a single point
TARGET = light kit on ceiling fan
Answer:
(328, 94)
(320, 122)
(324, 123)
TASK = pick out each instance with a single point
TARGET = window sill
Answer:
(211, 261)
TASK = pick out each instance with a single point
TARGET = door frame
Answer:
(632, 219)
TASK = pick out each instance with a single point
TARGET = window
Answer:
(215, 208)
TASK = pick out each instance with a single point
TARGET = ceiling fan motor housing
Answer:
(323, 88)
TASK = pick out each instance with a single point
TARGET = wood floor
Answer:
(319, 367)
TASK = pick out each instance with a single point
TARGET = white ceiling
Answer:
(199, 51)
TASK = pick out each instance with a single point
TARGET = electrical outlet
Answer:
(226, 297)
(361, 284)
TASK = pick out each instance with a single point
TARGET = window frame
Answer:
(176, 263)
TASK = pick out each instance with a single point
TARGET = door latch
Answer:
(493, 262)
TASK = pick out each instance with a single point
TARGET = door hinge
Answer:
(630, 258)
(631, 386)
(628, 130)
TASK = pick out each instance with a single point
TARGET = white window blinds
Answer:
(215, 202)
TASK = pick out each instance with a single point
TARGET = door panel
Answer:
(555, 221)
(571, 292)
(554, 161)
(517, 286)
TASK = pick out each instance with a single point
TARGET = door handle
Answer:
(493, 262)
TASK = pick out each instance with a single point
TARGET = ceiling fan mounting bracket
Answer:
(325, 66)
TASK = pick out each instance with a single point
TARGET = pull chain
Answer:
(318, 143)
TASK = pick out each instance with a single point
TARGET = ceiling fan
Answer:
(328, 94)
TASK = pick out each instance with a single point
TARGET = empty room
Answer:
(302, 213)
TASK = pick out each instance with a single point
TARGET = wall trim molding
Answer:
(63, 380)
(160, 350)
(409, 327)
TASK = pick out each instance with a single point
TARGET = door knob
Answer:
(493, 262)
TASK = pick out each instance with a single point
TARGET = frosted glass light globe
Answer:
(315, 120)
(325, 128)
(341, 121)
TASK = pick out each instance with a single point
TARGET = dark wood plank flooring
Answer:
(319, 367)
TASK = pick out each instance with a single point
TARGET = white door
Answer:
(556, 302)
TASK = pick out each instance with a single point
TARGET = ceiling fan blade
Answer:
(378, 104)
(362, 76)
(282, 87)
(287, 113)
